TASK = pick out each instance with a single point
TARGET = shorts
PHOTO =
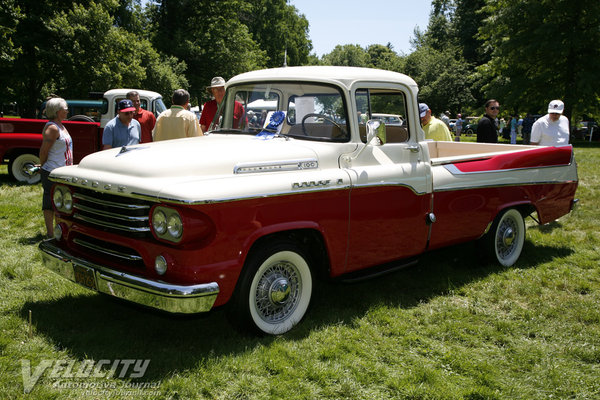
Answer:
(47, 186)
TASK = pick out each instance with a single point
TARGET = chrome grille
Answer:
(118, 214)
(109, 251)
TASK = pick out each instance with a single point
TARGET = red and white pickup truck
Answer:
(250, 214)
(21, 138)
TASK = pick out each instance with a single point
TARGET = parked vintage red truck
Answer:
(247, 216)
(21, 138)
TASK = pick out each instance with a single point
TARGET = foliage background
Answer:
(523, 53)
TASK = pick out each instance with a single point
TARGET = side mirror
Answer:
(376, 129)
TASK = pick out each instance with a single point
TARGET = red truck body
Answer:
(19, 134)
(21, 138)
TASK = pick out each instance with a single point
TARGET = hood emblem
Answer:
(126, 149)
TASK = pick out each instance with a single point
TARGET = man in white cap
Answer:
(434, 128)
(553, 128)
(209, 109)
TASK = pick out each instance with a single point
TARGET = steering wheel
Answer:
(325, 117)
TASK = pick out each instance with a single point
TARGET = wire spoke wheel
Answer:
(277, 292)
(504, 242)
(274, 290)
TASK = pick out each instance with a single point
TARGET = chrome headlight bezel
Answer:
(167, 224)
(62, 199)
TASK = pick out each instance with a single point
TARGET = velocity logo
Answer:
(66, 369)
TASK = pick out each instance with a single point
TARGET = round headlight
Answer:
(160, 265)
(67, 201)
(175, 226)
(159, 222)
(58, 198)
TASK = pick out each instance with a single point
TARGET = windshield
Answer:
(159, 107)
(297, 109)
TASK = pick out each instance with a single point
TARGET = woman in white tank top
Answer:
(56, 151)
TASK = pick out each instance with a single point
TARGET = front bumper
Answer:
(154, 294)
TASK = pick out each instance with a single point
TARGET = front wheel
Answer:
(504, 241)
(274, 290)
(20, 168)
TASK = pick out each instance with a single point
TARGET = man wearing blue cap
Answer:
(122, 130)
(434, 128)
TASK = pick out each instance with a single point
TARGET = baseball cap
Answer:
(556, 107)
(217, 81)
(125, 106)
(423, 108)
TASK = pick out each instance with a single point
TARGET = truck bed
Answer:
(453, 152)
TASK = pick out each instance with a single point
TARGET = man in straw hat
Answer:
(209, 109)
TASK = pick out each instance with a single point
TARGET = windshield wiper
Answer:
(226, 130)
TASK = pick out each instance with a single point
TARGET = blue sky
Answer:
(365, 22)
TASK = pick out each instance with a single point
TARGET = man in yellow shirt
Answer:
(177, 122)
(434, 128)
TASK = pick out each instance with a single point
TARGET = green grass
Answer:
(448, 328)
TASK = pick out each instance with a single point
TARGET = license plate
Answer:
(85, 276)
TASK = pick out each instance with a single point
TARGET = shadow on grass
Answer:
(547, 228)
(99, 327)
(32, 239)
(6, 180)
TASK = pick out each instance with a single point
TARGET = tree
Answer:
(443, 79)
(208, 37)
(348, 55)
(544, 50)
(384, 57)
(10, 13)
(276, 27)
(70, 49)
(97, 55)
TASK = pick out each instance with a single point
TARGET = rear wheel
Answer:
(19, 168)
(274, 290)
(80, 117)
(504, 241)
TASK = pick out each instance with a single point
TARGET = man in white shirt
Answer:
(553, 128)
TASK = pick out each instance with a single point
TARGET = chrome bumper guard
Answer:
(160, 295)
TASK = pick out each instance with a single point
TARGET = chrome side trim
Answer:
(154, 294)
(110, 203)
(503, 185)
(110, 225)
(109, 252)
(346, 186)
(91, 210)
(271, 166)
(453, 169)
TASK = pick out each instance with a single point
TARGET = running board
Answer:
(375, 272)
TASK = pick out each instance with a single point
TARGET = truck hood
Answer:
(209, 155)
(209, 168)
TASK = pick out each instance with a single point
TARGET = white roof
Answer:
(123, 92)
(344, 76)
